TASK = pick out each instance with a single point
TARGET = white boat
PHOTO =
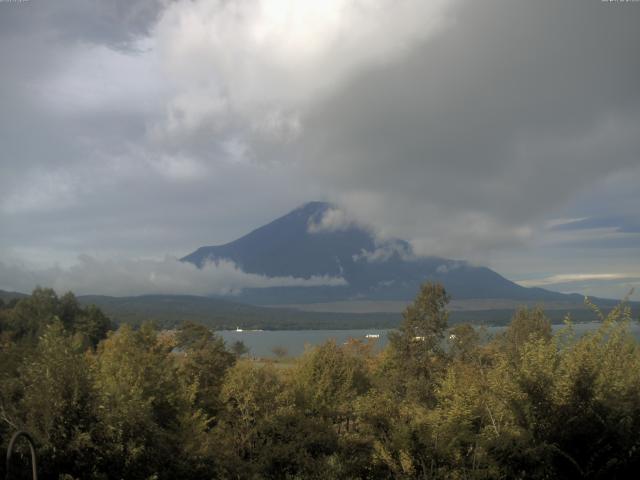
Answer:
(238, 329)
(372, 335)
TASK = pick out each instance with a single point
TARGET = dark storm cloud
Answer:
(151, 127)
(509, 112)
(113, 22)
(42, 130)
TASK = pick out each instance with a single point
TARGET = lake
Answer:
(261, 343)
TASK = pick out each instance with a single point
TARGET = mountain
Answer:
(8, 296)
(317, 239)
(169, 311)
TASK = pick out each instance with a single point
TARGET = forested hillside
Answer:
(169, 311)
(436, 403)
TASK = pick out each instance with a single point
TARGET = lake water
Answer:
(262, 343)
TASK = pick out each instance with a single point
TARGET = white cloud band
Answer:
(139, 277)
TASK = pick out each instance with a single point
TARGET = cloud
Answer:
(444, 268)
(143, 127)
(386, 250)
(626, 224)
(491, 120)
(115, 23)
(576, 277)
(91, 80)
(262, 62)
(562, 223)
(618, 285)
(591, 233)
(126, 277)
(333, 220)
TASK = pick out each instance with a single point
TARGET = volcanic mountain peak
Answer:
(320, 239)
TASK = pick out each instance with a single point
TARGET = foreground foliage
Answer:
(436, 403)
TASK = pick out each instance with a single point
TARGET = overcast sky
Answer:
(502, 132)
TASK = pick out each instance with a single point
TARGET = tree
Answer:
(427, 316)
(28, 319)
(31, 315)
(144, 407)
(263, 435)
(68, 309)
(329, 379)
(414, 356)
(204, 364)
(249, 398)
(58, 404)
(526, 325)
(90, 323)
(463, 341)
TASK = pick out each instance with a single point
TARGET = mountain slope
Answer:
(169, 311)
(8, 296)
(314, 240)
(285, 247)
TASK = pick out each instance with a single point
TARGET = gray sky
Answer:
(503, 132)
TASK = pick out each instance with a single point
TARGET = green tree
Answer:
(571, 404)
(250, 398)
(92, 325)
(415, 358)
(262, 434)
(204, 364)
(57, 404)
(329, 379)
(144, 408)
(526, 324)
(31, 315)
(464, 342)
(67, 310)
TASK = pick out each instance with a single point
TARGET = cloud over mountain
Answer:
(139, 277)
(153, 126)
